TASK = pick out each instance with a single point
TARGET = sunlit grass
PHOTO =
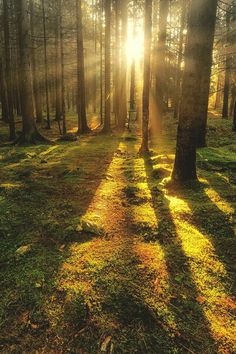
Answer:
(153, 278)
(223, 205)
(210, 277)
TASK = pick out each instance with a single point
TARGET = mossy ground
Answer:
(161, 279)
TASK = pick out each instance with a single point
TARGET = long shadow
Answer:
(192, 325)
(36, 215)
(217, 226)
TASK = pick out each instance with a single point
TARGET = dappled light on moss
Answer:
(223, 205)
(210, 277)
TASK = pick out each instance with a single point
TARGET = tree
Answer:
(117, 62)
(3, 87)
(58, 113)
(123, 82)
(225, 110)
(234, 118)
(30, 133)
(82, 119)
(180, 57)
(200, 14)
(207, 41)
(9, 79)
(161, 57)
(63, 108)
(35, 74)
(107, 118)
(46, 65)
(144, 149)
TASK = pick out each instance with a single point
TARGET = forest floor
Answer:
(97, 255)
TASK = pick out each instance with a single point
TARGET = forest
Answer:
(118, 176)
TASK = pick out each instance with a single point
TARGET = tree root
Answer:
(32, 139)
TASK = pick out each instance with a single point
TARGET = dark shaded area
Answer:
(40, 214)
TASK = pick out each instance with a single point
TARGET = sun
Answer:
(135, 43)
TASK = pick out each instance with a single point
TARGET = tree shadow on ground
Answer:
(192, 331)
(212, 221)
(36, 211)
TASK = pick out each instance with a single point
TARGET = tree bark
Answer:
(9, 79)
(123, 83)
(107, 118)
(180, 58)
(225, 110)
(234, 118)
(82, 118)
(29, 130)
(206, 65)
(58, 114)
(201, 13)
(36, 86)
(3, 87)
(161, 59)
(63, 109)
(117, 63)
(144, 149)
(46, 66)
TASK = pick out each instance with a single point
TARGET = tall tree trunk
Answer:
(9, 79)
(180, 58)
(132, 86)
(161, 59)
(95, 56)
(82, 118)
(3, 86)
(117, 69)
(46, 65)
(233, 99)
(225, 110)
(101, 61)
(146, 76)
(107, 118)
(202, 12)
(206, 65)
(218, 92)
(29, 131)
(123, 86)
(36, 86)
(234, 118)
(58, 114)
(63, 109)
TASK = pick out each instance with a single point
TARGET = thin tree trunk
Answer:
(225, 110)
(46, 66)
(117, 69)
(95, 57)
(180, 58)
(3, 87)
(29, 131)
(101, 63)
(58, 114)
(234, 118)
(9, 79)
(36, 86)
(63, 110)
(218, 91)
(123, 85)
(161, 59)
(132, 86)
(146, 76)
(82, 118)
(107, 118)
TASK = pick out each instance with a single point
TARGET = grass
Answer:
(160, 278)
